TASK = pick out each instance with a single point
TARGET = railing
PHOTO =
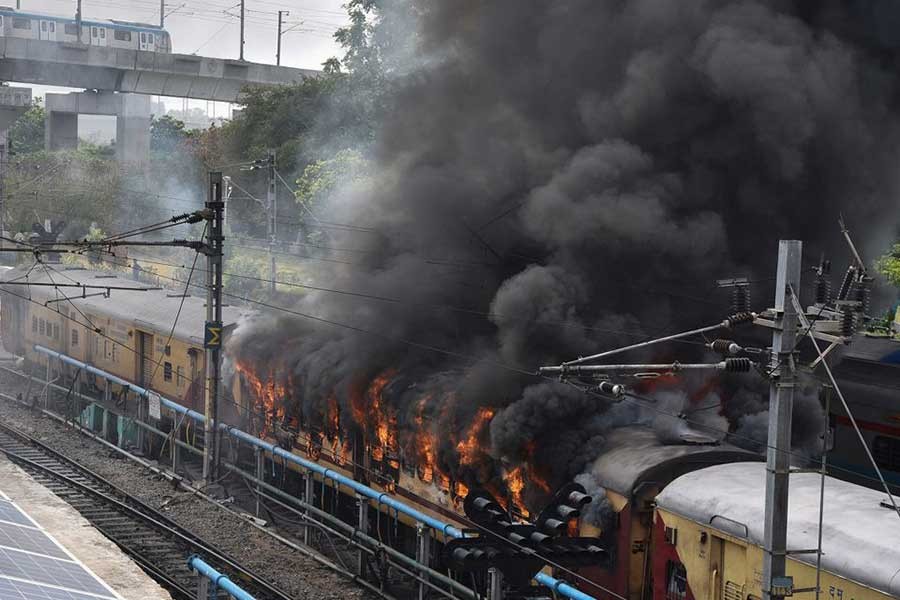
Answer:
(362, 490)
(218, 580)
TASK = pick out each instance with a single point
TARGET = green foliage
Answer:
(320, 178)
(888, 265)
(167, 134)
(245, 265)
(26, 135)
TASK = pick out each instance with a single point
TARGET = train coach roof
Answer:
(154, 309)
(636, 456)
(860, 536)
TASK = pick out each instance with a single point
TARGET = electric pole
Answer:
(213, 330)
(78, 19)
(781, 398)
(242, 30)
(278, 51)
(271, 213)
(162, 13)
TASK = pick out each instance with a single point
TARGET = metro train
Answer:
(680, 521)
(110, 34)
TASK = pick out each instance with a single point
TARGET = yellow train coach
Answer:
(126, 333)
(708, 533)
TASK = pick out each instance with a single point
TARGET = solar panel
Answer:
(34, 566)
(30, 539)
(10, 513)
(12, 589)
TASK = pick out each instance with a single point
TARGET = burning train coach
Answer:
(675, 512)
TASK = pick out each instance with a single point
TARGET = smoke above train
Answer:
(558, 178)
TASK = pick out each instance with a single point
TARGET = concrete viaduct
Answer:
(115, 74)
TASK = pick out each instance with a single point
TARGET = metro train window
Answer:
(167, 371)
(21, 23)
(34, 325)
(886, 451)
(676, 581)
(71, 29)
(122, 36)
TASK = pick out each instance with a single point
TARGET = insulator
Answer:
(863, 295)
(740, 298)
(462, 555)
(613, 389)
(738, 365)
(823, 290)
(578, 499)
(739, 318)
(567, 512)
(539, 538)
(554, 526)
(724, 347)
(848, 322)
(846, 283)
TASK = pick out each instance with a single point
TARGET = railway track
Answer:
(158, 544)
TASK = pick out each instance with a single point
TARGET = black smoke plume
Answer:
(556, 178)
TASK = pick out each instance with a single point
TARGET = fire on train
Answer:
(106, 34)
(679, 521)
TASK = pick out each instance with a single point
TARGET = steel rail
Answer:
(136, 511)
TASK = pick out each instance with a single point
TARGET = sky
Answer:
(211, 28)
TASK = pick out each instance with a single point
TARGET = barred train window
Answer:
(122, 36)
(167, 371)
(179, 376)
(886, 451)
(74, 337)
(55, 331)
(42, 327)
(34, 324)
(20, 23)
(676, 581)
(71, 29)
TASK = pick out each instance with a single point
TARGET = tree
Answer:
(167, 134)
(888, 265)
(26, 135)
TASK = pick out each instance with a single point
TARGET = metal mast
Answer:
(242, 30)
(162, 13)
(271, 212)
(213, 331)
(781, 398)
(281, 13)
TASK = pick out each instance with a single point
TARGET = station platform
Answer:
(48, 551)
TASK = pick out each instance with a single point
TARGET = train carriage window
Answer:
(42, 326)
(179, 376)
(167, 371)
(43, 25)
(71, 29)
(74, 338)
(34, 323)
(122, 36)
(55, 331)
(103, 33)
(676, 581)
(886, 451)
(21, 23)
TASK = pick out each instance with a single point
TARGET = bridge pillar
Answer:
(132, 112)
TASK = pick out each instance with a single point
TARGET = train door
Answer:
(47, 30)
(145, 358)
(148, 42)
(3, 32)
(733, 581)
(98, 36)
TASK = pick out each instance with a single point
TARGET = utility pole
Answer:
(78, 19)
(271, 213)
(213, 330)
(278, 51)
(162, 13)
(781, 398)
(242, 30)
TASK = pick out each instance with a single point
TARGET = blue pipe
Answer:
(447, 529)
(218, 579)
